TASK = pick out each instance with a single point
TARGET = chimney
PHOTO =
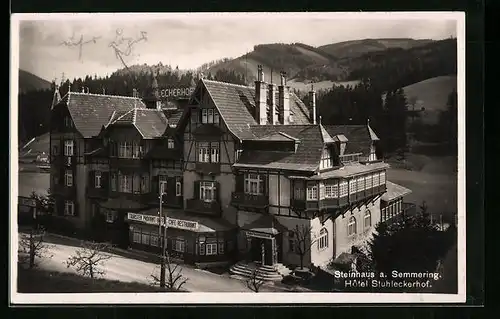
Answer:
(272, 104)
(284, 99)
(260, 98)
(312, 104)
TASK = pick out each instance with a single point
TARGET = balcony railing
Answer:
(202, 207)
(207, 168)
(239, 199)
(372, 191)
(349, 158)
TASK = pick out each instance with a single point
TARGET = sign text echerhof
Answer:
(176, 92)
(171, 222)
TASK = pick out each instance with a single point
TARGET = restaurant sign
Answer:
(30, 202)
(258, 234)
(171, 222)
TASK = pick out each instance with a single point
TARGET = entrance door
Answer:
(256, 249)
(268, 252)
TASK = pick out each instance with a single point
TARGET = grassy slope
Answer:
(432, 94)
(31, 82)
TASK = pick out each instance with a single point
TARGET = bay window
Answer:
(254, 184)
(208, 191)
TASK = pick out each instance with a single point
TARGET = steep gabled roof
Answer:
(358, 137)
(394, 191)
(236, 105)
(90, 112)
(150, 123)
(325, 137)
(280, 136)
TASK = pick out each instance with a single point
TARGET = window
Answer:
(214, 149)
(321, 191)
(124, 183)
(136, 150)
(312, 192)
(351, 226)
(69, 208)
(180, 245)
(382, 178)
(373, 156)
(221, 247)
(110, 217)
(376, 179)
(360, 183)
(68, 122)
(343, 187)
(254, 184)
(203, 152)
(352, 186)
(207, 191)
(369, 181)
(331, 191)
(145, 183)
(97, 179)
(137, 237)
(178, 186)
(68, 178)
(298, 190)
(368, 219)
(202, 249)
(113, 182)
(125, 150)
(211, 249)
(326, 159)
(136, 184)
(209, 116)
(145, 238)
(291, 241)
(170, 143)
(323, 239)
(162, 180)
(68, 148)
(154, 240)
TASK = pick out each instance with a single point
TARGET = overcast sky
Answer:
(189, 41)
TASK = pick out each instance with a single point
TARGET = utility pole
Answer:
(162, 238)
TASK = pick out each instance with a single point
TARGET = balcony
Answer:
(93, 192)
(199, 206)
(369, 192)
(242, 200)
(207, 168)
(315, 205)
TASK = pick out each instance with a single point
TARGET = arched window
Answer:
(323, 239)
(351, 226)
(368, 219)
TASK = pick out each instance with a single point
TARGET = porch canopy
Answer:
(394, 191)
(265, 224)
(122, 204)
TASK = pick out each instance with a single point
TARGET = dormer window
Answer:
(326, 159)
(209, 116)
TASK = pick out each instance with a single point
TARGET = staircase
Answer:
(265, 272)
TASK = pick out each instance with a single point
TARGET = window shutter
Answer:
(196, 190)
(171, 188)
(105, 180)
(217, 192)
(91, 181)
(155, 187)
(240, 183)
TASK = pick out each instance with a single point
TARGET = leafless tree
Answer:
(88, 260)
(254, 283)
(303, 241)
(33, 246)
(174, 280)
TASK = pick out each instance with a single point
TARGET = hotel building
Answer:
(239, 167)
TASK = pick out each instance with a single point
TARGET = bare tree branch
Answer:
(88, 260)
(33, 246)
(254, 283)
(303, 241)
(174, 279)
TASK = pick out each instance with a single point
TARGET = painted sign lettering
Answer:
(257, 235)
(176, 92)
(171, 222)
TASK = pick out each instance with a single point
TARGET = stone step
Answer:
(266, 272)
